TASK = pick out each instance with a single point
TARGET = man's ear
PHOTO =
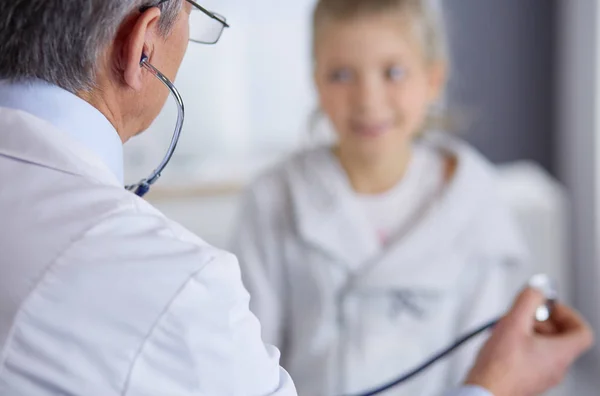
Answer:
(137, 42)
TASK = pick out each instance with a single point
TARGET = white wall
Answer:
(247, 97)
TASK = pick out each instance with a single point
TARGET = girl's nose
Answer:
(369, 94)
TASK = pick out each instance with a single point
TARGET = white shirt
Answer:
(101, 294)
(394, 211)
(68, 113)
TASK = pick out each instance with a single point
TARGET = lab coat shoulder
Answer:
(499, 246)
(268, 207)
(266, 225)
(192, 332)
(496, 260)
(500, 243)
(273, 193)
(130, 303)
(272, 187)
(475, 190)
(263, 223)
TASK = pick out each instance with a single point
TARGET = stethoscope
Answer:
(143, 186)
(541, 282)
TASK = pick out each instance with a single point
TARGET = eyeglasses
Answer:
(206, 27)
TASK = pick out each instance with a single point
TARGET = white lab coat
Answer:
(100, 294)
(349, 315)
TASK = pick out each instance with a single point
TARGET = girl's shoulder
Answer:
(302, 167)
(467, 167)
(474, 194)
(301, 173)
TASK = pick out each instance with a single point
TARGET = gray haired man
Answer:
(100, 294)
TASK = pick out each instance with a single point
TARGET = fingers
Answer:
(566, 319)
(563, 321)
(522, 314)
(572, 327)
(566, 334)
(566, 327)
(546, 328)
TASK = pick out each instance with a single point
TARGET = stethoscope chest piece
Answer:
(548, 287)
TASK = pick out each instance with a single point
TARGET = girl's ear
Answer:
(438, 77)
(318, 83)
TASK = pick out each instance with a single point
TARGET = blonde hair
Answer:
(424, 16)
(426, 19)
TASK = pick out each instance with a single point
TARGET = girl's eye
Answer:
(395, 73)
(340, 76)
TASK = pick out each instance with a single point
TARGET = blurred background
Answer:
(524, 78)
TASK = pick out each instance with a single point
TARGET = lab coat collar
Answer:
(30, 139)
(466, 227)
(426, 254)
(75, 117)
(325, 216)
(329, 217)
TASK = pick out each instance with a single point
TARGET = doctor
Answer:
(100, 294)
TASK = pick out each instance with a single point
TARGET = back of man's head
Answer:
(62, 41)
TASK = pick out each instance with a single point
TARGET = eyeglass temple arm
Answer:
(207, 12)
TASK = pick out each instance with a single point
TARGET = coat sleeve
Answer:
(469, 391)
(208, 343)
(499, 264)
(134, 307)
(257, 243)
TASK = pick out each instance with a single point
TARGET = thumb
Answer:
(522, 314)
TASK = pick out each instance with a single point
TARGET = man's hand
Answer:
(527, 358)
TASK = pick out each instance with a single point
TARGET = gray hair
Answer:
(61, 41)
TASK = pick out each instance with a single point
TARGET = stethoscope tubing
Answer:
(143, 186)
(430, 362)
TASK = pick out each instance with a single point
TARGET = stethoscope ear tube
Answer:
(142, 187)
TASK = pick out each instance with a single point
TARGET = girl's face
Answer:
(374, 83)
